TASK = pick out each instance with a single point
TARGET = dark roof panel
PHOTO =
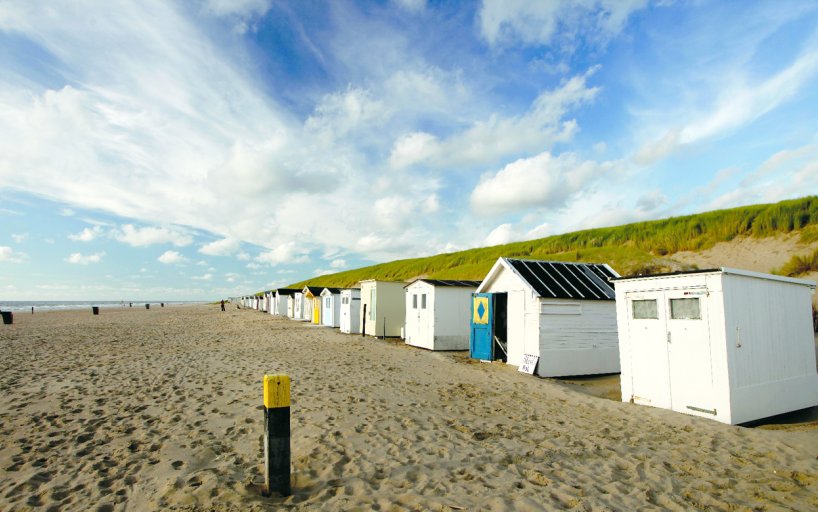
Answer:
(331, 290)
(451, 282)
(565, 280)
(286, 291)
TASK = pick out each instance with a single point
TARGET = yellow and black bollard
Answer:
(276, 434)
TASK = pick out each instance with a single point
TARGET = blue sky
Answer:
(161, 150)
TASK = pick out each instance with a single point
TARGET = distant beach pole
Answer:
(363, 326)
(276, 435)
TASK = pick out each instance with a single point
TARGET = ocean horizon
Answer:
(62, 305)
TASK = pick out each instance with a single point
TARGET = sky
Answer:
(194, 150)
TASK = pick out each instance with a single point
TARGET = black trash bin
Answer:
(8, 317)
(147, 306)
(95, 309)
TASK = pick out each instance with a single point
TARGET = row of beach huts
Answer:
(727, 344)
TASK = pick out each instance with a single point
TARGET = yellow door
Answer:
(316, 310)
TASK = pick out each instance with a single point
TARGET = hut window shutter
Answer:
(415, 301)
(423, 301)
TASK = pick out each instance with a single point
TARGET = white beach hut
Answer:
(331, 307)
(383, 307)
(291, 306)
(280, 300)
(438, 312)
(312, 304)
(726, 344)
(350, 311)
(561, 314)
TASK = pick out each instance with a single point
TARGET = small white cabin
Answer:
(437, 313)
(331, 307)
(560, 312)
(291, 306)
(383, 308)
(280, 299)
(726, 344)
(350, 311)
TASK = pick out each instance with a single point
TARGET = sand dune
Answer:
(161, 409)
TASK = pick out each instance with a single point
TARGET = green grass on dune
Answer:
(640, 247)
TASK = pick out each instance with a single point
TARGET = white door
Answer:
(344, 314)
(649, 365)
(424, 319)
(412, 318)
(688, 340)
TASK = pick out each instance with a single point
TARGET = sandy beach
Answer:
(161, 410)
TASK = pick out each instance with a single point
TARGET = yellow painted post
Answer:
(276, 434)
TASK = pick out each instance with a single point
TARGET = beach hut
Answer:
(280, 299)
(726, 344)
(558, 317)
(331, 307)
(312, 302)
(291, 306)
(383, 307)
(438, 312)
(350, 311)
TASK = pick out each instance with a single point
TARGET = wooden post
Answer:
(276, 434)
(363, 326)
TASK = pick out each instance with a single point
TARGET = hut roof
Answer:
(561, 279)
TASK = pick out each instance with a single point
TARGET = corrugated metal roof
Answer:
(565, 280)
(451, 282)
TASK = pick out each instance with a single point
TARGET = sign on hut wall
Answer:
(529, 364)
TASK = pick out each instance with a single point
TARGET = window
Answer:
(326, 303)
(685, 309)
(372, 304)
(644, 309)
(422, 301)
(414, 301)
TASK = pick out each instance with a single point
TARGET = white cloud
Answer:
(413, 148)
(496, 138)
(87, 234)
(19, 237)
(287, 253)
(7, 254)
(171, 257)
(541, 181)
(539, 23)
(338, 264)
(205, 277)
(141, 237)
(223, 247)
(241, 12)
(728, 97)
(543, 230)
(81, 259)
(502, 234)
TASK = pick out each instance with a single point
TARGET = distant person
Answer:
(222, 304)
(32, 310)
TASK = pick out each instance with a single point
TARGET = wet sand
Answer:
(161, 409)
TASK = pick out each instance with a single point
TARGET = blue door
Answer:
(481, 341)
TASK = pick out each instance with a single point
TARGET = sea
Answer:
(64, 305)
